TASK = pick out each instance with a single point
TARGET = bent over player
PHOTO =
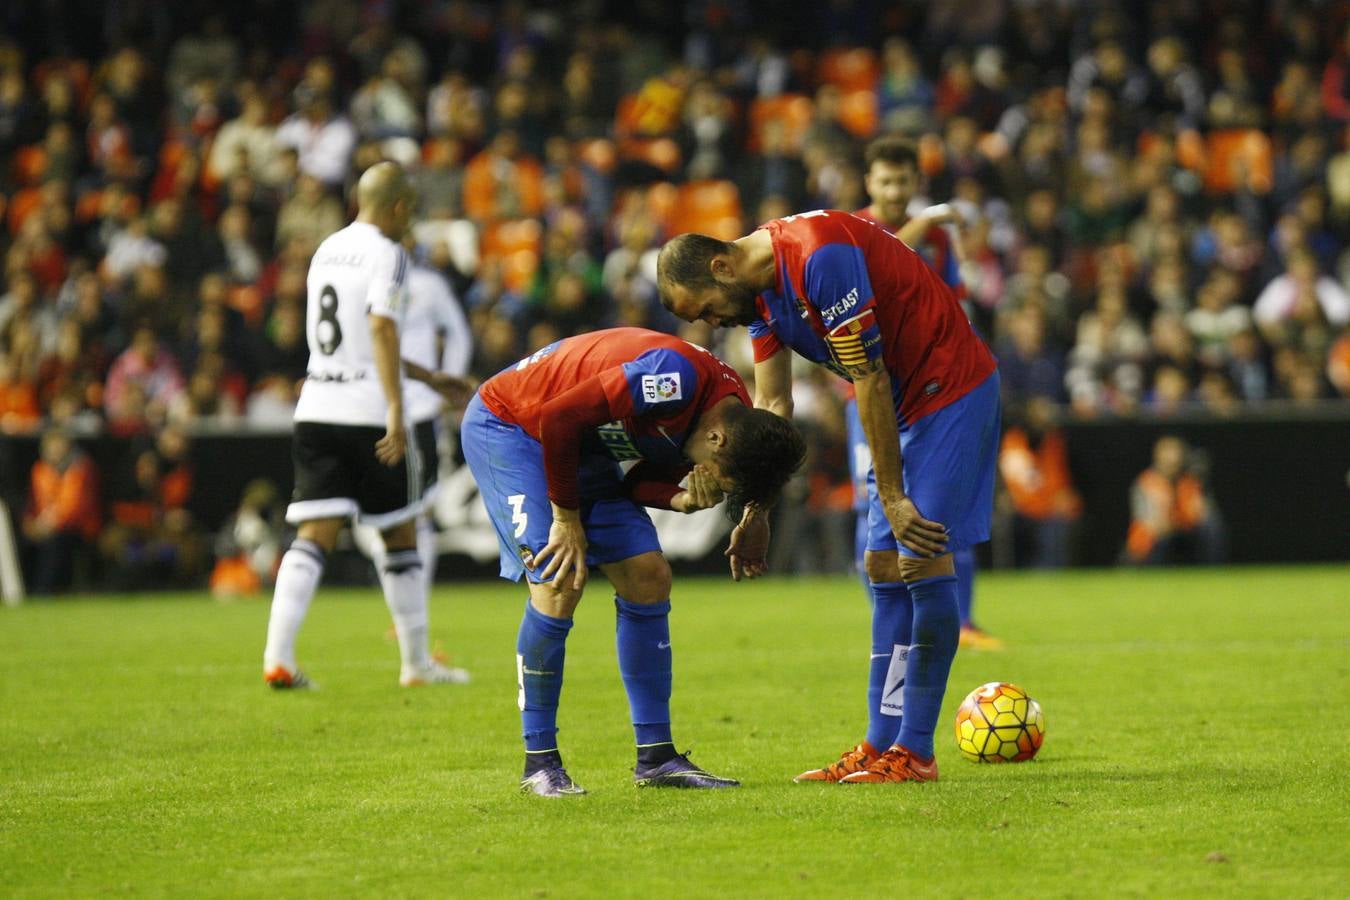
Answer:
(843, 293)
(351, 448)
(544, 439)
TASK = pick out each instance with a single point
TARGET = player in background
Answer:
(842, 292)
(436, 348)
(892, 181)
(544, 439)
(351, 448)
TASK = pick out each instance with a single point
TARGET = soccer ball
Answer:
(999, 722)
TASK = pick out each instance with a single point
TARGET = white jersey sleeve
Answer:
(388, 281)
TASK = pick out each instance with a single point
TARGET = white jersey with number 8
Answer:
(355, 272)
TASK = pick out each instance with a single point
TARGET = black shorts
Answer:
(424, 435)
(338, 476)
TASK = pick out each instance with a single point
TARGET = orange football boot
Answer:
(282, 678)
(979, 639)
(854, 760)
(896, 764)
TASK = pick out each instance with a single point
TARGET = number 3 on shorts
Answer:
(519, 517)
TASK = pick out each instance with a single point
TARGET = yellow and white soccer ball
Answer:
(999, 722)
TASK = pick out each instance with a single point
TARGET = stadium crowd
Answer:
(1155, 206)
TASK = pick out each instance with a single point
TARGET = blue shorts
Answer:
(948, 457)
(508, 465)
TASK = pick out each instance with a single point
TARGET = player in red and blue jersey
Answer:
(844, 293)
(892, 179)
(544, 439)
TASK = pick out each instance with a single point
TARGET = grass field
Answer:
(1197, 745)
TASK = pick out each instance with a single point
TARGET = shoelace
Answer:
(889, 763)
(850, 762)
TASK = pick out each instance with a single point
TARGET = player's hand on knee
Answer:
(923, 536)
(565, 552)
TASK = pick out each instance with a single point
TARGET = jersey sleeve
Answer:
(652, 485)
(385, 296)
(763, 341)
(837, 283)
(660, 381)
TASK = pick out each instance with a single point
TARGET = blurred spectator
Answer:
(248, 545)
(503, 182)
(383, 107)
(324, 139)
(247, 143)
(1034, 464)
(310, 215)
(1300, 297)
(905, 96)
(20, 411)
(1172, 517)
(62, 519)
(150, 538)
(143, 382)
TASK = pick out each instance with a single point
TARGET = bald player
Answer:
(353, 458)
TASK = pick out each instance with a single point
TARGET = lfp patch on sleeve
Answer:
(661, 387)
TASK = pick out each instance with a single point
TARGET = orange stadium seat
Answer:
(1229, 151)
(21, 205)
(30, 164)
(932, 157)
(858, 113)
(848, 68)
(793, 111)
(515, 244)
(709, 207)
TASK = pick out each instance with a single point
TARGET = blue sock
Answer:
(892, 617)
(964, 560)
(540, 650)
(642, 633)
(937, 627)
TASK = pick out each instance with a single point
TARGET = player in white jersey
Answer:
(436, 346)
(351, 449)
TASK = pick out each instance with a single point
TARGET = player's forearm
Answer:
(876, 409)
(384, 347)
(773, 385)
(778, 404)
(654, 486)
(913, 231)
(417, 373)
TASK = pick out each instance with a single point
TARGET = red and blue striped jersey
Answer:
(847, 292)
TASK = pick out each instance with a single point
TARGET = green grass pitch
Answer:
(1197, 745)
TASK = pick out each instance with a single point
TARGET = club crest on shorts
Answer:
(662, 387)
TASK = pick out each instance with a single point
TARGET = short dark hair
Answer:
(763, 451)
(686, 260)
(891, 149)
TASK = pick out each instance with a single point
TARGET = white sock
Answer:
(405, 591)
(297, 580)
(426, 549)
